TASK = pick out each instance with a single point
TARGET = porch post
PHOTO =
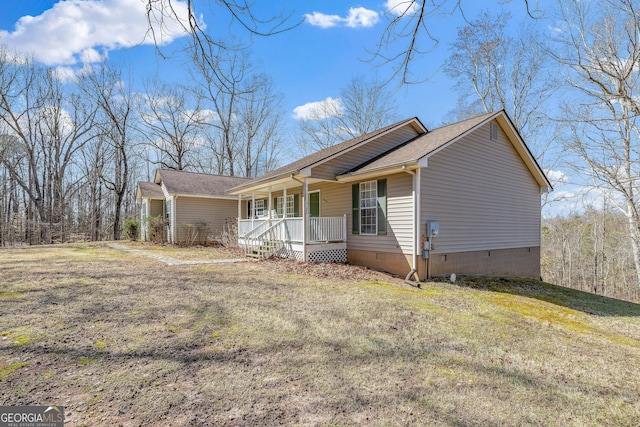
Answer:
(305, 220)
(239, 212)
(270, 204)
(253, 208)
(284, 203)
(344, 228)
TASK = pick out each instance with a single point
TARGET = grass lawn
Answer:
(121, 339)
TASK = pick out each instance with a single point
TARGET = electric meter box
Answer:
(433, 229)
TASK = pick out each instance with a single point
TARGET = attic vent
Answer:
(494, 131)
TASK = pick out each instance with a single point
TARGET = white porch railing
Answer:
(262, 238)
(327, 229)
(321, 229)
(265, 243)
(252, 226)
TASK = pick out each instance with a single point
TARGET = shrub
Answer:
(229, 235)
(156, 228)
(194, 233)
(131, 228)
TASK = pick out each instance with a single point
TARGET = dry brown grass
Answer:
(122, 339)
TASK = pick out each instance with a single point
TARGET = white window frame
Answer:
(369, 203)
(290, 206)
(259, 210)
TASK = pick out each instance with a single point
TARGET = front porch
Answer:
(308, 239)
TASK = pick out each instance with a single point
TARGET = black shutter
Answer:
(355, 209)
(296, 205)
(382, 206)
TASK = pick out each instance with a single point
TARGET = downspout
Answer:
(305, 219)
(414, 268)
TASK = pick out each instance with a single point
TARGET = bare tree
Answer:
(10, 221)
(172, 120)
(245, 114)
(205, 46)
(495, 71)
(260, 126)
(408, 34)
(589, 251)
(106, 88)
(599, 45)
(50, 125)
(363, 106)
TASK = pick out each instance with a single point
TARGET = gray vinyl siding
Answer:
(213, 212)
(157, 207)
(336, 201)
(482, 194)
(356, 157)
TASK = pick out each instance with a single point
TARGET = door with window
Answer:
(314, 204)
(315, 226)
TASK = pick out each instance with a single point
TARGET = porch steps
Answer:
(264, 251)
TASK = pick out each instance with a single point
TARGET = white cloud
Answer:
(401, 7)
(356, 18)
(84, 31)
(319, 110)
(361, 17)
(556, 177)
(321, 20)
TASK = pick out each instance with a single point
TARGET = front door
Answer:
(314, 204)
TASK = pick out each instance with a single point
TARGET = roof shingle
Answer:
(197, 184)
(150, 190)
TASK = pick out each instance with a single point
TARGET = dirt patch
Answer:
(335, 271)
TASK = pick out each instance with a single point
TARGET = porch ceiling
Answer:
(290, 181)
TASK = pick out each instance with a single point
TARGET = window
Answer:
(260, 209)
(369, 207)
(291, 205)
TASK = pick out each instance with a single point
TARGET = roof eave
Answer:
(376, 172)
(260, 184)
(524, 152)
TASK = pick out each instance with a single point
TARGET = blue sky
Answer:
(308, 64)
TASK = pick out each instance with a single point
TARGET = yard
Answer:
(122, 339)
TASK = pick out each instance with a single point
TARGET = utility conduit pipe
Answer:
(411, 282)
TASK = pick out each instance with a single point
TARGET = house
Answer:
(194, 204)
(463, 198)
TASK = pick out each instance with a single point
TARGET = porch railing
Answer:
(327, 229)
(265, 243)
(321, 229)
(252, 226)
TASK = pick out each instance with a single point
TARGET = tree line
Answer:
(71, 151)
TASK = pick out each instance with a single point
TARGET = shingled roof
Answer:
(150, 190)
(324, 154)
(197, 184)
